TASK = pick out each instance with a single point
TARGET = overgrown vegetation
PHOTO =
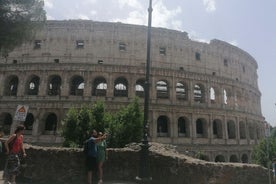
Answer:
(263, 154)
(122, 127)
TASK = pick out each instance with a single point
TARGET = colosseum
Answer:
(204, 97)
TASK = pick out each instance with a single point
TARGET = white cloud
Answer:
(93, 12)
(48, 4)
(88, 2)
(193, 36)
(210, 5)
(134, 17)
(83, 17)
(163, 17)
(130, 3)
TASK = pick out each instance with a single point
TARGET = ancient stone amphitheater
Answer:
(204, 97)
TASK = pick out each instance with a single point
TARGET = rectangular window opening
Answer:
(225, 62)
(56, 60)
(37, 44)
(162, 51)
(122, 46)
(80, 44)
(197, 56)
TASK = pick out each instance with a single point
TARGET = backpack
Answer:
(85, 147)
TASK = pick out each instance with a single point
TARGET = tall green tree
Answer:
(19, 19)
(260, 152)
(122, 127)
(127, 126)
(77, 126)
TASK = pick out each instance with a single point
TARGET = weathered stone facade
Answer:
(203, 97)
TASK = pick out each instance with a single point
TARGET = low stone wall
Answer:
(61, 165)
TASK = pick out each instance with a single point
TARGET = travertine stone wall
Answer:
(57, 165)
(203, 96)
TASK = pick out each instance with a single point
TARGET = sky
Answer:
(247, 24)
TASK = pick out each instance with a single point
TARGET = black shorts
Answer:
(91, 163)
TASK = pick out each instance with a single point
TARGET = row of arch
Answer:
(200, 94)
(219, 129)
(233, 158)
(49, 125)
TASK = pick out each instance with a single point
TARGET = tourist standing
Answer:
(91, 162)
(101, 157)
(14, 146)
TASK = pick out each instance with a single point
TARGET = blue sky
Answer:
(248, 24)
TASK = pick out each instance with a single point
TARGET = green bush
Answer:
(122, 127)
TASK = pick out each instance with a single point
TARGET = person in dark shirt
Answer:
(91, 162)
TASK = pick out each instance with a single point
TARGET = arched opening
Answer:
(77, 86)
(28, 123)
(219, 158)
(231, 129)
(252, 130)
(244, 158)
(225, 97)
(139, 88)
(183, 127)
(199, 93)
(33, 85)
(99, 87)
(242, 130)
(212, 95)
(181, 91)
(51, 123)
(234, 158)
(162, 126)
(54, 85)
(11, 86)
(162, 89)
(6, 122)
(201, 128)
(217, 129)
(121, 87)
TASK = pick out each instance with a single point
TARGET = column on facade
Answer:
(153, 90)
(191, 93)
(43, 85)
(238, 130)
(22, 79)
(2, 81)
(65, 84)
(211, 137)
(154, 125)
(131, 87)
(193, 128)
(172, 90)
(110, 86)
(208, 94)
(87, 85)
(224, 125)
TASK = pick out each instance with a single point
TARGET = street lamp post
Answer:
(144, 171)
